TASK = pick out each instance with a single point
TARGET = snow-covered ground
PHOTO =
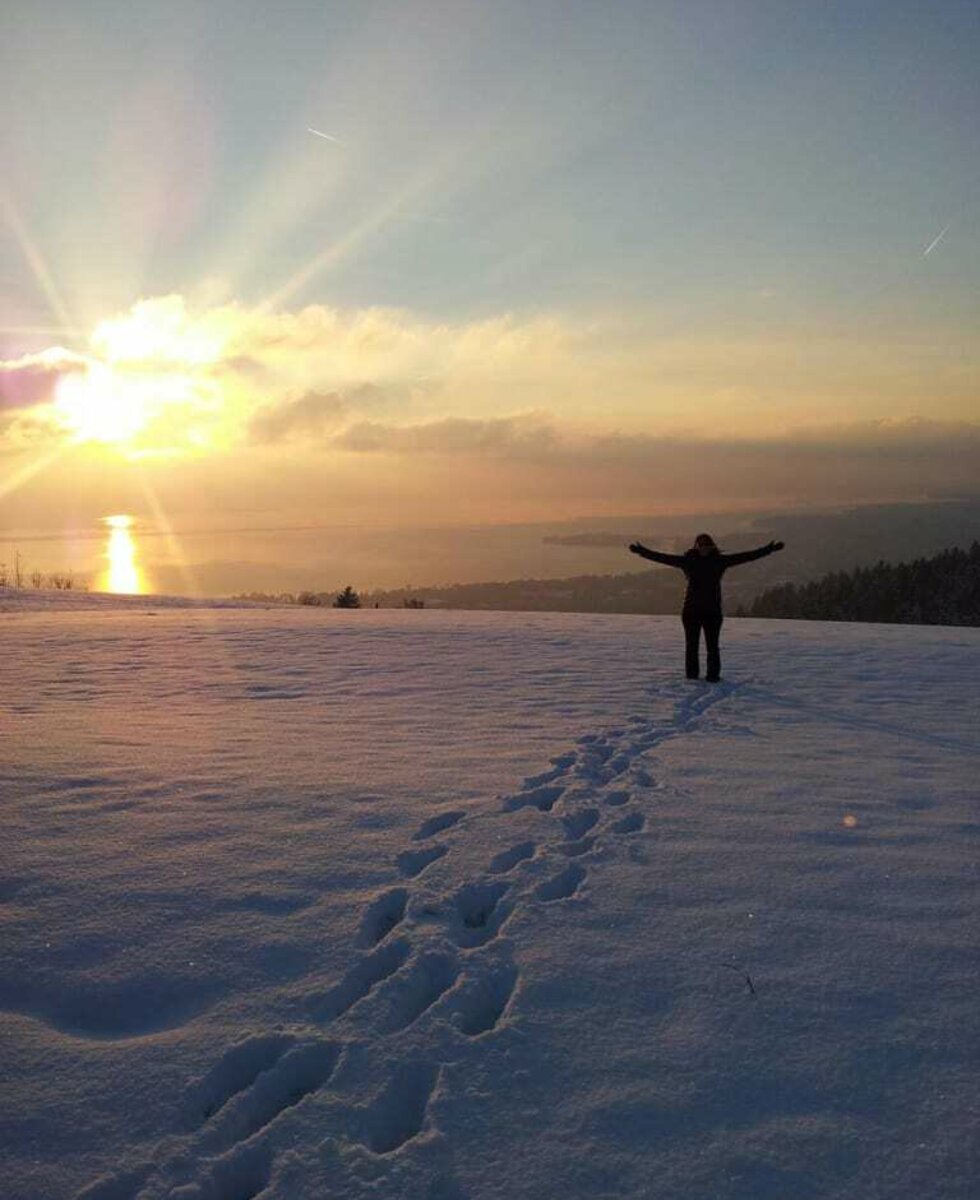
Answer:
(304, 903)
(76, 600)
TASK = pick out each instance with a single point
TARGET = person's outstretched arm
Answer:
(734, 560)
(669, 560)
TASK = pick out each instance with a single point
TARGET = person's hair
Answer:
(704, 539)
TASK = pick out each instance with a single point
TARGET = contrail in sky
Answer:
(935, 242)
(320, 133)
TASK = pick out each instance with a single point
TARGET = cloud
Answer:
(314, 417)
(894, 436)
(31, 381)
(539, 435)
(211, 377)
(384, 345)
(866, 449)
(309, 417)
(586, 402)
(885, 460)
(518, 437)
(542, 466)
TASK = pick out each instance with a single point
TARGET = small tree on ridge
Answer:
(348, 598)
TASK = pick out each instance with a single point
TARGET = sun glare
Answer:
(147, 383)
(99, 406)
(157, 333)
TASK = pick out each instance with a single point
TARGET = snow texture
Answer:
(464, 906)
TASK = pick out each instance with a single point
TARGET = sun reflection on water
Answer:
(123, 574)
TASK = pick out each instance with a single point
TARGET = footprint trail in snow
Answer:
(432, 976)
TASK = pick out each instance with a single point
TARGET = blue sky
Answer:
(683, 158)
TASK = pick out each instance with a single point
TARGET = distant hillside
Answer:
(944, 590)
(660, 590)
(655, 591)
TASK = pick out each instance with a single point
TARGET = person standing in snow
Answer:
(704, 565)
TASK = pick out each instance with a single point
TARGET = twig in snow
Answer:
(747, 976)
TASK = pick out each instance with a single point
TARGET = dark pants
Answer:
(694, 622)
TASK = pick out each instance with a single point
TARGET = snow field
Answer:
(485, 905)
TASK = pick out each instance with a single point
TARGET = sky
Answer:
(413, 265)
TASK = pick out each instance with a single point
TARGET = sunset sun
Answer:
(146, 385)
(102, 406)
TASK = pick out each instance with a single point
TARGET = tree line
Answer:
(19, 577)
(943, 590)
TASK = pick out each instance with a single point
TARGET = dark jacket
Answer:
(704, 572)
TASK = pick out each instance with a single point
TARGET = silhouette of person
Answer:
(704, 565)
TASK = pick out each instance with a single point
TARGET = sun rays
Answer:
(37, 264)
(337, 262)
(159, 377)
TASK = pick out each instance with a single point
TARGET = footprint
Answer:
(564, 884)
(239, 1175)
(542, 798)
(123, 1186)
(236, 1070)
(360, 980)
(271, 691)
(578, 824)
(592, 764)
(301, 1070)
(432, 975)
(398, 1113)
(559, 766)
(507, 860)
(574, 849)
(383, 914)
(632, 823)
(437, 824)
(413, 862)
(480, 912)
(116, 1009)
(486, 1000)
(615, 799)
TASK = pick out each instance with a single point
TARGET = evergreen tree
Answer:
(944, 590)
(348, 598)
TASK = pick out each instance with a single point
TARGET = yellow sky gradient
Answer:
(193, 419)
(193, 416)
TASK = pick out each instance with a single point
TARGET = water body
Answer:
(122, 573)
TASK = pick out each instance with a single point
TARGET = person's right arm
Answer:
(669, 560)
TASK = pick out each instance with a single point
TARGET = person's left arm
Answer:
(735, 560)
